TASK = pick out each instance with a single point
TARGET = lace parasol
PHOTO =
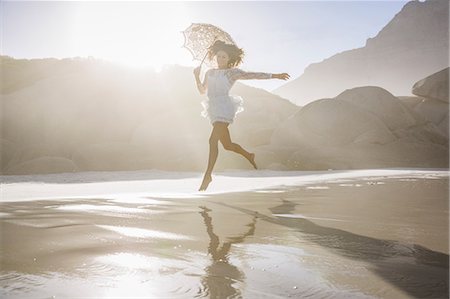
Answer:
(199, 36)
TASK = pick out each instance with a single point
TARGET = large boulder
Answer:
(433, 92)
(331, 122)
(363, 127)
(380, 102)
(410, 101)
(434, 86)
(436, 112)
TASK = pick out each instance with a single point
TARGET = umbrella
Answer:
(199, 36)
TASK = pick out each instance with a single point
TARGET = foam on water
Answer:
(161, 184)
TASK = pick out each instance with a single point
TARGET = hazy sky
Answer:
(278, 36)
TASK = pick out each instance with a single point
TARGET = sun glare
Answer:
(138, 34)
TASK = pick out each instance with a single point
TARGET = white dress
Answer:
(220, 105)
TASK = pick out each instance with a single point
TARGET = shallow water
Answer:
(355, 238)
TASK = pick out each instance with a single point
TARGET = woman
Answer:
(221, 108)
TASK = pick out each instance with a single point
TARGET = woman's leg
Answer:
(225, 139)
(213, 153)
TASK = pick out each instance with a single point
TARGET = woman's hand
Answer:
(197, 71)
(282, 76)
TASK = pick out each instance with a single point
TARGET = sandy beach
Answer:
(376, 233)
(324, 125)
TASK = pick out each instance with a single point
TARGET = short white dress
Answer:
(220, 105)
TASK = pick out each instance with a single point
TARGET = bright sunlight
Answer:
(140, 35)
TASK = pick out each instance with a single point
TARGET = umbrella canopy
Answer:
(199, 36)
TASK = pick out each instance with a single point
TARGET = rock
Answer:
(434, 86)
(8, 149)
(112, 156)
(409, 101)
(400, 153)
(33, 151)
(265, 157)
(426, 133)
(389, 109)
(260, 137)
(434, 106)
(432, 110)
(443, 126)
(331, 122)
(364, 127)
(410, 153)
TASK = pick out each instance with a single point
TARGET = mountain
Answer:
(414, 44)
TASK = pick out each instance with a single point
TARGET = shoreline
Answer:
(180, 184)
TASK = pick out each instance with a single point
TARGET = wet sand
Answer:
(362, 236)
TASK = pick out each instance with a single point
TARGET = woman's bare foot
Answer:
(252, 160)
(206, 180)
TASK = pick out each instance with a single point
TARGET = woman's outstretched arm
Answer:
(238, 74)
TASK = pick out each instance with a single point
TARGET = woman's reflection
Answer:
(221, 275)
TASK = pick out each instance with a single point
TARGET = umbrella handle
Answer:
(203, 59)
(215, 38)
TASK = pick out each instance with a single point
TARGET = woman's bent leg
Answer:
(225, 139)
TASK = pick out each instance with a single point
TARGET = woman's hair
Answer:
(234, 53)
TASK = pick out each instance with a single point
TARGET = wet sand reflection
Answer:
(221, 275)
(409, 267)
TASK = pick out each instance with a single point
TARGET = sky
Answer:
(276, 36)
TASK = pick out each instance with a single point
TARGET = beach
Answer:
(113, 113)
(369, 233)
